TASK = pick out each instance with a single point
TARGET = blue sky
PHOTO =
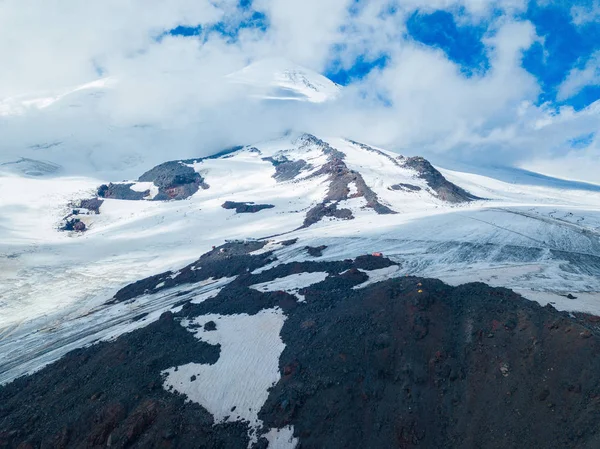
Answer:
(562, 46)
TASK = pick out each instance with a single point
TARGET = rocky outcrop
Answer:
(73, 224)
(286, 170)
(246, 207)
(340, 177)
(444, 189)
(406, 187)
(121, 192)
(175, 181)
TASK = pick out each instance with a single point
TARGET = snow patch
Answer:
(291, 284)
(379, 275)
(247, 367)
(282, 438)
(352, 189)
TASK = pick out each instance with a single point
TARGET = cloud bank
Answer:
(159, 88)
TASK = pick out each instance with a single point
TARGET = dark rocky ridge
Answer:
(405, 363)
(174, 179)
(339, 177)
(445, 190)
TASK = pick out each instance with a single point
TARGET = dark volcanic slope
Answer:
(404, 363)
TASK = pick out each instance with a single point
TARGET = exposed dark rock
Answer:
(315, 251)
(445, 189)
(92, 204)
(402, 363)
(289, 242)
(406, 187)
(399, 368)
(175, 181)
(121, 192)
(111, 394)
(340, 177)
(73, 224)
(286, 170)
(245, 207)
(227, 260)
(210, 326)
(322, 210)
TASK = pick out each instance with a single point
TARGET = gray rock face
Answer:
(340, 178)
(175, 181)
(121, 192)
(286, 170)
(445, 189)
(406, 187)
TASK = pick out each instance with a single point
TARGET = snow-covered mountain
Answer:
(279, 79)
(288, 291)
(349, 197)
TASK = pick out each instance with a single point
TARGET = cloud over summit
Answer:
(460, 79)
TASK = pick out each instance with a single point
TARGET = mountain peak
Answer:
(281, 79)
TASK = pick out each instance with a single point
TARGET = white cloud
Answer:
(583, 14)
(168, 97)
(580, 78)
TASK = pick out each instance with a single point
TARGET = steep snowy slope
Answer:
(350, 198)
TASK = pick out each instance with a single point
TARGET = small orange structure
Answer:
(377, 254)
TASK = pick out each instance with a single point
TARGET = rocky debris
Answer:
(289, 242)
(340, 177)
(246, 207)
(210, 326)
(175, 181)
(286, 170)
(315, 251)
(73, 224)
(444, 189)
(92, 204)
(121, 192)
(227, 260)
(321, 211)
(406, 187)
(406, 363)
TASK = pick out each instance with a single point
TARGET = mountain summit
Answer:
(280, 79)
